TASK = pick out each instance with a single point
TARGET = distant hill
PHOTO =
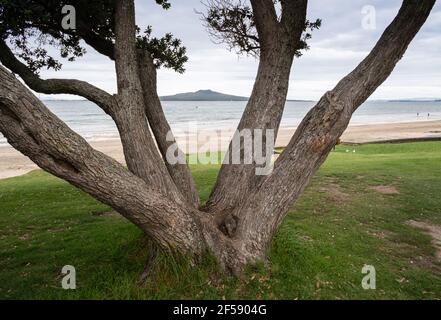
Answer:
(203, 95)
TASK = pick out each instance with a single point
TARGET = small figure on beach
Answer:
(418, 114)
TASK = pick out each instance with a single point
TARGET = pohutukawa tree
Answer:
(244, 211)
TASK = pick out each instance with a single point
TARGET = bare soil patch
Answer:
(380, 234)
(385, 189)
(434, 231)
(335, 193)
(25, 237)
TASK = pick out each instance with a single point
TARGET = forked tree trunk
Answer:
(279, 44)
(263, 112)
(180, 173)
(263, 212)
(142, 156)
(147, 194)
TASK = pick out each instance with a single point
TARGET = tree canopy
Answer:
(245, 209)
(32, 25)
(233, 23)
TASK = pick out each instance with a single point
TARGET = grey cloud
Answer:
(336, 48)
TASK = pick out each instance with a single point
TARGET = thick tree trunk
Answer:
(165, 140)
(279, 42)
(147, 195)
(263, 112)
(142, 156)
(259, 217)
(36, 132)
(32, 129)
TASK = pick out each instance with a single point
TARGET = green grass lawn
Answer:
(341, 223)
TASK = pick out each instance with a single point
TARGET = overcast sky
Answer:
(336, 49)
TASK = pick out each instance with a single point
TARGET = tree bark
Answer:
(260, 216)
(147, 195)
(294, 16)
(180, 174)
(37, 133)
(279, 43)
(33, 130)
(263, 112)
(142, 156)
(165, 139)
(54, 86)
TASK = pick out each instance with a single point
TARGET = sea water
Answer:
(93, 124)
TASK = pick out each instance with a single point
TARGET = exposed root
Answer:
(151, 260)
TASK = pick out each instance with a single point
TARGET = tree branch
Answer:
(165, 140)
(294, 19)
(265, 17)
(267, 102)
(100, 44)
(322, 127)
(103, 46)
(140, 150)
(232, 23)
(54, 86)
(33, 130)
(125, 50)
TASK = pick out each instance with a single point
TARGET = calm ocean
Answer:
(93, 124)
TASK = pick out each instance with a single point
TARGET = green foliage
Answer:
(164, 3)
(166, 51)
(307, 35)
(338, 225)
(231, 22)
(31, 25)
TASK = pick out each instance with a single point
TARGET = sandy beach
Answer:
(13, 163)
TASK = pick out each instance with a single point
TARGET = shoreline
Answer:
(13, 163)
